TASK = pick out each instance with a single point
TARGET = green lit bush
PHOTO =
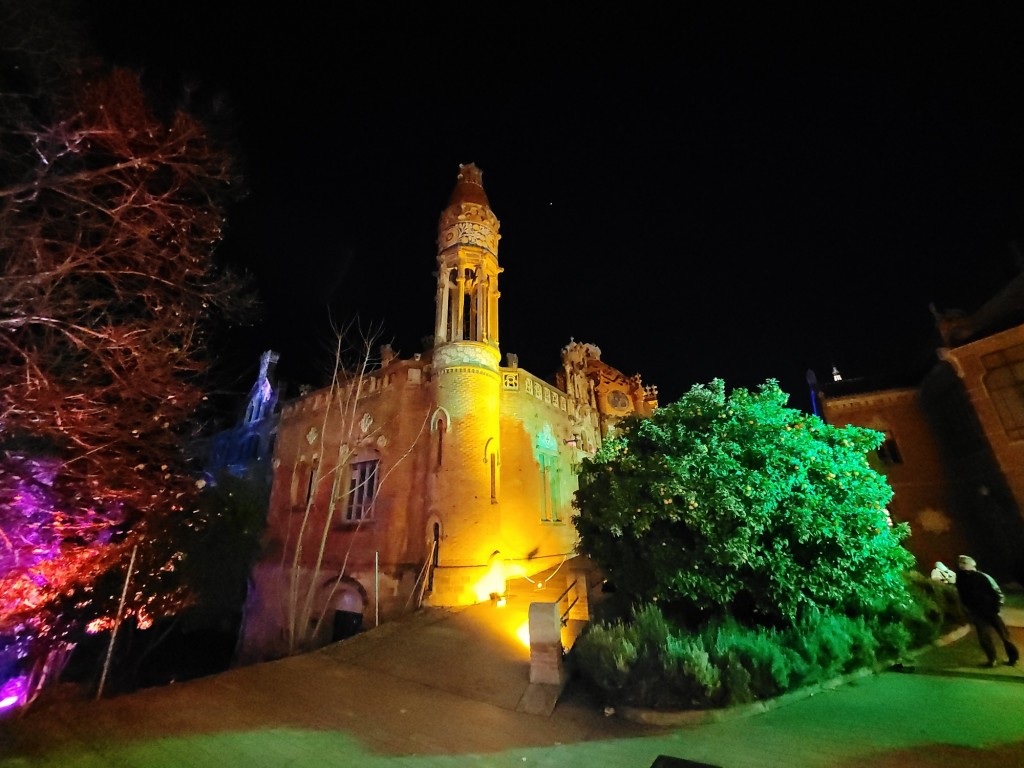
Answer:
(735, 505)
(646, 661)
(751, 553)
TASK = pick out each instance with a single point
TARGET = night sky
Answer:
(707, 194)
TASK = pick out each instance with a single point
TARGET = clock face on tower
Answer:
(617, 399)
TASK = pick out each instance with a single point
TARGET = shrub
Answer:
(606, 656)
(648, 661)
(691, 675)
(762, 655)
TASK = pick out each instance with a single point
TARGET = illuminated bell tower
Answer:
(467, 389)
(467, 259)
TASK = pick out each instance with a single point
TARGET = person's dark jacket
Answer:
(977, 592)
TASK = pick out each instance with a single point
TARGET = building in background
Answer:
(954, 437)
(432, 479)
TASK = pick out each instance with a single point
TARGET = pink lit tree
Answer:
(109, 218)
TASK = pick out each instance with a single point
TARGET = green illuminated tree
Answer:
(737, 505)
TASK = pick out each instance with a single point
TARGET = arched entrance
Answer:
(348, 612)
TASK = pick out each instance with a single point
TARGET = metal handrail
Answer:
(566, 592)
(568, 610)
(569, 588)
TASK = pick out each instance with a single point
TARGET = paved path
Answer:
(440, 688)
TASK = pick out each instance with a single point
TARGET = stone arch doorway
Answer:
(349, 603)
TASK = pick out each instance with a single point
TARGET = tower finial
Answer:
(469, 173)
(470, 186)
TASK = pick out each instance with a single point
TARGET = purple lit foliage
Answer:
(51, 544)
(14, 692)
(35, 522)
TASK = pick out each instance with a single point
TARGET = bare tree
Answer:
(109, 217)
(339, 436)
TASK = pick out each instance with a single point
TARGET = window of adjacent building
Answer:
(889, 451)
(362, 491)
(1004, 382)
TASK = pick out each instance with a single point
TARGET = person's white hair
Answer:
(966, 561)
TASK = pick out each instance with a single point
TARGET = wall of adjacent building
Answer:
(969, 362)
(914, 466)
(960, 482)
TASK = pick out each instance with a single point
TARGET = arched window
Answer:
(439, 424)
(441, 431)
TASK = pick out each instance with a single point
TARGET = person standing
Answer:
(982, 598)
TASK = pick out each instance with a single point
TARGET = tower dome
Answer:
(468, 219)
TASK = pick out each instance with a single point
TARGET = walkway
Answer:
(441, 688)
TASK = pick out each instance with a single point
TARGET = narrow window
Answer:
(545, 488)
(469, 306)
(494, 480)
(467, 317)
(302, 484)
(440, 441)
(362, 491)
(453, 305)
(555, 476)
(309, 484)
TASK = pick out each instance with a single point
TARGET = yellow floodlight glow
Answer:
(491, 583)
(523, 633)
